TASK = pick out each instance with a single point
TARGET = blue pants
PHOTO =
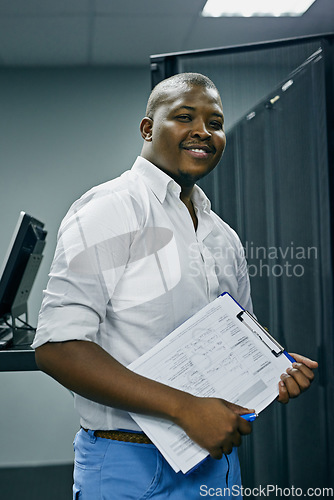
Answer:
(114, 470)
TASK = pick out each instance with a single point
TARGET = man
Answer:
(122, 279)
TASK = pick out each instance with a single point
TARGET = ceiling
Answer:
(126, 32)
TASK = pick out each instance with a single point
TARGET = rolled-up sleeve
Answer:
(92, 251)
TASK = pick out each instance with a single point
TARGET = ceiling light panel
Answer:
(262, 8)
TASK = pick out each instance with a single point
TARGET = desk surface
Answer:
(19, 356)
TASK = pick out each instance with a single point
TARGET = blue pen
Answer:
(250, 417)
(290, 358)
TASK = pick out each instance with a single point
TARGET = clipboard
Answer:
(222, 351)
(255, 327)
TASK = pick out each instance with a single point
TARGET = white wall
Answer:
(61, 132)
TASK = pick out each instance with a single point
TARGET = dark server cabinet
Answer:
(273, 186)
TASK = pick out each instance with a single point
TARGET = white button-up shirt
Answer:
(129, 268)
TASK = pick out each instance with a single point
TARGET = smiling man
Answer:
(184, 132)
(184, 135)
(122, 279)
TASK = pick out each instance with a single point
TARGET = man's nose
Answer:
(200, 130)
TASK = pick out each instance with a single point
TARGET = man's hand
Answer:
(86, 369)
(296, 379)
(214, 424)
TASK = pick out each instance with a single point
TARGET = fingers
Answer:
(240, 410)
(217, 453)
(245, 427)
(283, 395)
(233, 440)
(292, 389)
(302, 374)
(297, 379)
(226, 446)
(306, 361)
(214, 425)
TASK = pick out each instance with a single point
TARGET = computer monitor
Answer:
(20, 267)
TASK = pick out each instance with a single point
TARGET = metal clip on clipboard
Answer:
(254, 326)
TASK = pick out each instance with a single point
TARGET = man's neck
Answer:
(186, 193)
(185, 197)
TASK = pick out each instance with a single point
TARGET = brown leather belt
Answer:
(127, 437)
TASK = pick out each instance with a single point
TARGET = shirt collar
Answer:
(200, 200)
(160, 183)
(154, 178)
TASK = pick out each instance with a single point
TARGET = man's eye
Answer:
(217, 125)
(184, 118)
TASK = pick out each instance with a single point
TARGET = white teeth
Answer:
(198, 150)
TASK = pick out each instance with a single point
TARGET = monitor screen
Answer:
(20, 266)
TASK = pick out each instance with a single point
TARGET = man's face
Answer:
(187, 137)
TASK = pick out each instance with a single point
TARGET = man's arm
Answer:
(85, 368)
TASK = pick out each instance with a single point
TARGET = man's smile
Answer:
(198, 151)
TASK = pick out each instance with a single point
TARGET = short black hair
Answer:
(160, 91)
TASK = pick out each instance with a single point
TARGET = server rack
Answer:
(274, 185)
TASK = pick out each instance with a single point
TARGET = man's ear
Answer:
(146, 129)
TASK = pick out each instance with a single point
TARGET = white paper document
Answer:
(215, 353)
